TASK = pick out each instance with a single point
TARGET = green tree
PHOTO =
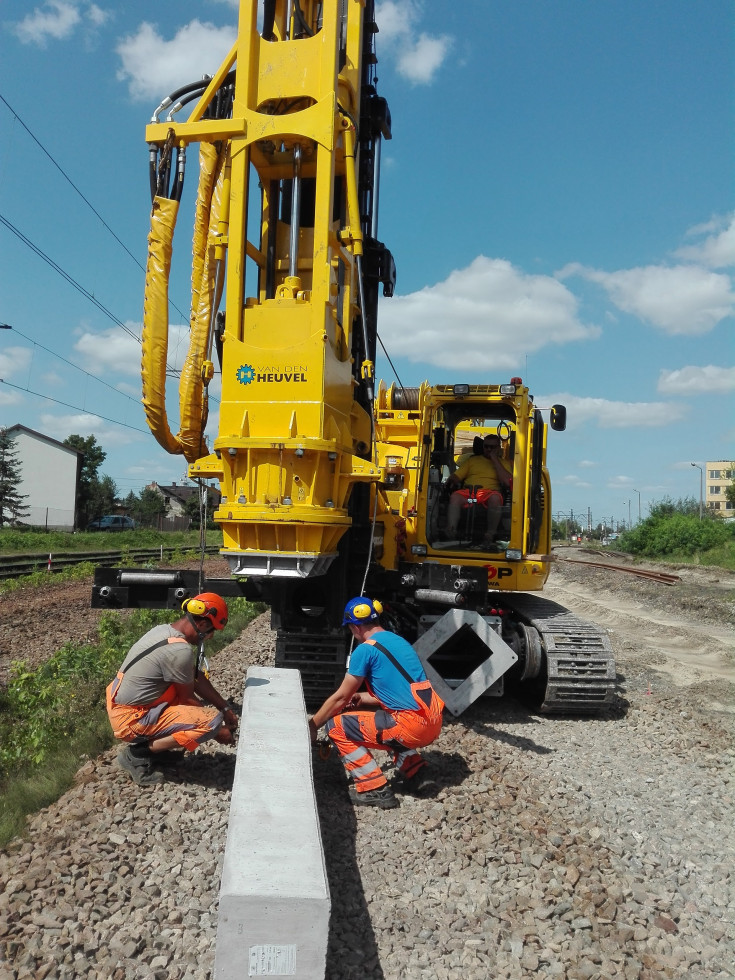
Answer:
(150, 507)
(88, 490)
(730, 488)
(11, 500)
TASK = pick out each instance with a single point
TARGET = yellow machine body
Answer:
(420, 441)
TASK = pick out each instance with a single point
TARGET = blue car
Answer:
(112, 522)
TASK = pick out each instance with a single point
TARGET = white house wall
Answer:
(48, 481)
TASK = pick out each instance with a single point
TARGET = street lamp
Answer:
(639, 504)
(701, 478)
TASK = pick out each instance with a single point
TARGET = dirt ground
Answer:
(673, 637)
(677, 638)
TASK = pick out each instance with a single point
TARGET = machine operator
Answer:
(486, 477)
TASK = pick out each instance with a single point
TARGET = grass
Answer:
(53, 717)
(17, 541)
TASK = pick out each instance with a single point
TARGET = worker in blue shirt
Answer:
(398, 711)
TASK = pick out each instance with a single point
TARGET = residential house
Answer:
(176, 497)
(49, 473)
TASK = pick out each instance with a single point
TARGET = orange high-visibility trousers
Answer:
(189, 722)
(398, 732)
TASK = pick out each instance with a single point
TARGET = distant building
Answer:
(49, 473)
(719, 474)
(176, 497)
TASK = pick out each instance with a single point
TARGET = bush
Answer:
(668, 533)
(51, 715)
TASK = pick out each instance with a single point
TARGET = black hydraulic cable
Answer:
(298, 13)
(269, 20)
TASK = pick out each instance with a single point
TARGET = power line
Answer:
(65, 275)
(76, 366)
(89, 204)
(76, 408)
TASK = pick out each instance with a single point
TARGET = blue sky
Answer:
(558, 197)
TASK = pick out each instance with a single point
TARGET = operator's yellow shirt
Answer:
(477, 471)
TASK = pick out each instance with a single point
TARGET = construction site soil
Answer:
(553, 847)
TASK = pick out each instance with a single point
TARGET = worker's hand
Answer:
(312, 728)
(230, 719)
(355, 701)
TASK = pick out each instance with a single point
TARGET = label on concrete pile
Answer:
(272, 961)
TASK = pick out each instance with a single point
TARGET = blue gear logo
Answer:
(245, 374)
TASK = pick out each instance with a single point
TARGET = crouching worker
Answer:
(408, 715)
(154, 702)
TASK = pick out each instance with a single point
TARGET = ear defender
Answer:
(194, 606)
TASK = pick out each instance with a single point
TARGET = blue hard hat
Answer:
(362, 610)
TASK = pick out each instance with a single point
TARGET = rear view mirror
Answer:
(558, 418)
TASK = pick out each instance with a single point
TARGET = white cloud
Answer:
(55, 20)
(615, 415)
(418, 55)
(682, 300)
(84, 424)
(420, 61)
(693, 380)
(58, 20)
(587, 464)
(110, 351)
(489, 314)
(115, 352)
(717, 251)
(13, 362)
(154, 67)
(97, 15)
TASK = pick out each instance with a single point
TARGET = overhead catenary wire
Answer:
(89, 204)
(77, 408)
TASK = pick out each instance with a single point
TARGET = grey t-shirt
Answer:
(146, 680)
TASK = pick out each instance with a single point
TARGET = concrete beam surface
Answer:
(274, 897)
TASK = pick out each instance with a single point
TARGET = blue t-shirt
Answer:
(386, 682)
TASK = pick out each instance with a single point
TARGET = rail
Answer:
(14, 566)
(665, 577)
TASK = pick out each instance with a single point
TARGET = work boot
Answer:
(420, 784)
(382, 797)
(136, 761)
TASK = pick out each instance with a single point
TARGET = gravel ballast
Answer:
(554, 847)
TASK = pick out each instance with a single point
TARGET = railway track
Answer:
(15, 566)
(665, 577)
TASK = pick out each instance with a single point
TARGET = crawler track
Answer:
(580, 668)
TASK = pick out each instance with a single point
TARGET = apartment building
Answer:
(718, 475)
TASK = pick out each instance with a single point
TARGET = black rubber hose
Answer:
(269, 20)
(152, 166)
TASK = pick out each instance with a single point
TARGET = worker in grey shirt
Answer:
(155, 702)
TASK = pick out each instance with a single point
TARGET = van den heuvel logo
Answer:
(271, 374)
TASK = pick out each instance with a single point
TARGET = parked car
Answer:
(112, 522)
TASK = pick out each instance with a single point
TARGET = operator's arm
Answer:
(504, 477)
(457, 478)
(336, 702)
